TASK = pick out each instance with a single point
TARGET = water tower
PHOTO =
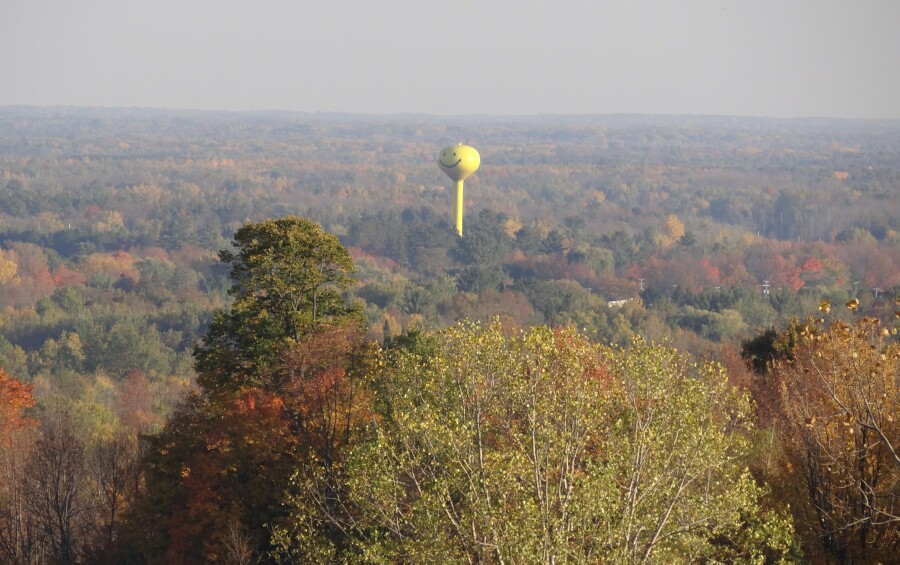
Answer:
(459, 162)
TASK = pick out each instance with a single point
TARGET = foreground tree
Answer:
(287, 277)
(18, 531)
(213, 471)
(678, 455)
(279, 394)
(55, 483)
(114, 481)
(838, 412)
(544, 448)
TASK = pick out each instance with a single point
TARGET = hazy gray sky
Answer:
(781, 58)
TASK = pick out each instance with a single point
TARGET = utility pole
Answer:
(765, 286)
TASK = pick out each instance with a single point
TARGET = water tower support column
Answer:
(459, 206)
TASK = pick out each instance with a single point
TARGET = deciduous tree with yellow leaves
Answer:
(838, 414)
(542, 447)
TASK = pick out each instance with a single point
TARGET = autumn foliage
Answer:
(693, 233)
(15, 399)
(17, 432)
(837, 415)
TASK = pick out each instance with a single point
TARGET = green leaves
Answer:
(678, 455)
(287, 277)
(541, 446)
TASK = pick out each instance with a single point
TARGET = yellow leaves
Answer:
(839, 387)
(492, 419)
(511, 226)
(112, 264)
(672, 230)
(825, 306)
(185, 472)
(853, 304)
(48, 222)
(110, 220)
(8, 266)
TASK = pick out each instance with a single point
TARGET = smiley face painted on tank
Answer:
(449, 154)
(459, 162)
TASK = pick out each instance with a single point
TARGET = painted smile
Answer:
(458, 161)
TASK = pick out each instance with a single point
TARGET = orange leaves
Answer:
(713, 276)
(326, 395)
(322, 401)
(258, 404)
(811, 265)
(15, 398)
(221, 462)
(684, 270)
(135, 408)
(17, 440)
(332, 381)
(24, 274)
(63, 276)
(787, 273)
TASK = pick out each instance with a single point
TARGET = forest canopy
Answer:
(258, 337)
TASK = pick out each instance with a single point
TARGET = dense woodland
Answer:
(246, 338)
